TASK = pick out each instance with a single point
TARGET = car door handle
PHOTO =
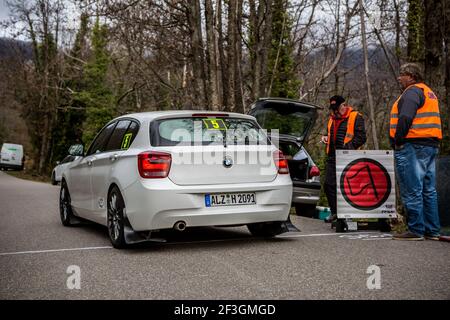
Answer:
(113, 157)
(89, 163)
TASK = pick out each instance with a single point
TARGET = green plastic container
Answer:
(323, 212)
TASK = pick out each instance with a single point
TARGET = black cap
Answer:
(336, 101)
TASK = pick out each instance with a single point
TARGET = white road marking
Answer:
(330, 234)
(53, 250)
(367, 236)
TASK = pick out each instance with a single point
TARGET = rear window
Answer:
(206, 131)
(115, 141)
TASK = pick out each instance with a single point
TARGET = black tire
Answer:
(384, 225)
(54, 182)
(115, 223)
(65, 207)
(305, 210)
(265, 229)
(340, 226)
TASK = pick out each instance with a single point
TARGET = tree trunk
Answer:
(198, 59)
(218, 72)
(211, 54)
(398, 31)
(231, 45)
(223, 62)
(256, 47)
(238, 85)
(366, 74)
(253, 47)
(416, 31)
(445, 109)
(434, 75)
(338, 43)
(266, 44)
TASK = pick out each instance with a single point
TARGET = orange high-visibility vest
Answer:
(426, 123)
(350, 128)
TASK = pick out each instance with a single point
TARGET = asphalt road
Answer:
(210, 263)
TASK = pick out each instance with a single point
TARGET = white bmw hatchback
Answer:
(146, 172)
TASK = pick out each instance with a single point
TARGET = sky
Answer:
(4, 11)
(71, 12)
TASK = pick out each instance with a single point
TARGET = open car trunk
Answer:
(297, 160)
(289, 123)
(286, 118)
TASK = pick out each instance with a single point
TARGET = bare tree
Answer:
(327, 70)
(213, 79)
(446, 32)
(198, 57)
(259, 39)
(366, 74)
(42, 21)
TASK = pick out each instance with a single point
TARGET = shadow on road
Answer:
(195, 237)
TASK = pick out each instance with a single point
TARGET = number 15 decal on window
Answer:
(215, 124)
(126, 141)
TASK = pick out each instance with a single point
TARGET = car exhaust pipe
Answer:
(180, 226)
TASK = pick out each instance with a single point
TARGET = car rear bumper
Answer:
(305, 195)
(11, 166)
(159, 204)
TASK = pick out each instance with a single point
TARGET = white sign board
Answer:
(365, 184)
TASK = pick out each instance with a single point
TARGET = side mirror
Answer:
(58, 162)
(76, 150)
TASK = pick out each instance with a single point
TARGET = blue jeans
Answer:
(416, 175)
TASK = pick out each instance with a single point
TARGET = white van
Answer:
(12, 156)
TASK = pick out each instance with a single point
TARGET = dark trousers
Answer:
(330, 186)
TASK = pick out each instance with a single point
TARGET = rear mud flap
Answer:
(76, 221)
(133, 237)
(288, 226)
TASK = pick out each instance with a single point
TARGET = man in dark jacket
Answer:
(345, 131)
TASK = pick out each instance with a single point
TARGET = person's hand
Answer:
(324, 139)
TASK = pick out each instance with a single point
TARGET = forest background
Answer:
(69, 66)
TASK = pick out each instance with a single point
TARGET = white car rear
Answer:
(161, 170)
(12, 156)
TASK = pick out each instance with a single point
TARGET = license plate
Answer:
(229, 199)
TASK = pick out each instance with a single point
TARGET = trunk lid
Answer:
(293, 119)
(201, 165)
(209, 148)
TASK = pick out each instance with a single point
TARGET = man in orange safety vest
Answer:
(415, 132)
(345, 130)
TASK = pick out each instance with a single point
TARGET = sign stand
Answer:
(365, 182)
(343, 225)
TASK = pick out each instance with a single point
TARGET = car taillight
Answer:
(314, 172)
(154, 164)
(281, 162)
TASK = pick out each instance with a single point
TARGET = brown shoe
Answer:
(430, 237)
(409, 236)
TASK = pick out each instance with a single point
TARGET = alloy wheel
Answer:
(114, 217)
